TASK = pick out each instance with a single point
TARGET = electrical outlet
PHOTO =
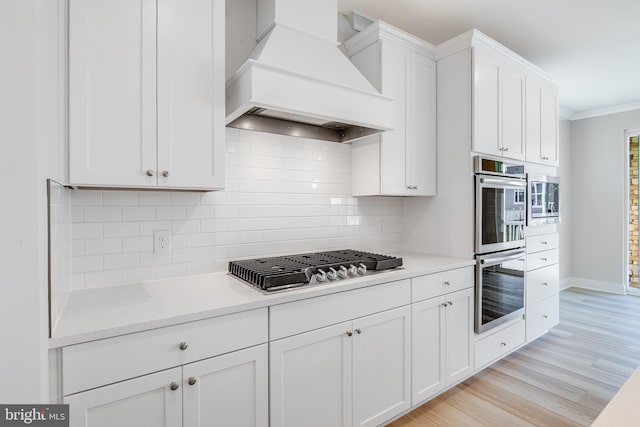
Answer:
(162, 242)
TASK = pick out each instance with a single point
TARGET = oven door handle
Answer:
(494, 261)
(503, 182)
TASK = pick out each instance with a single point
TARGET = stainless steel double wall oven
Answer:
(501, 215)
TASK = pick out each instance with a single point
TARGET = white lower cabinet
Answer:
(228, 390)
(499, 344)
(355, 373)
(442, 334)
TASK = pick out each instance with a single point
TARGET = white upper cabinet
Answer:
(400, 162)
(541, 120)
(498, 104)
(146, 93)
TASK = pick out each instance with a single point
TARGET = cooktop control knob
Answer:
(332, 274)
(321, 276)
(362, 269)
(352, 270)
(342, 272)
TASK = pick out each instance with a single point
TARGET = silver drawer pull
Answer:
(183, 346)
(349, 333)
(192, 380)
(504, 344)
(174, 386)
(545, 284)
(447, 283)
(545, 316)
(544, 243)
(358, 331)
(543, 259)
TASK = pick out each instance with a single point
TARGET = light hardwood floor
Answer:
(564, 378)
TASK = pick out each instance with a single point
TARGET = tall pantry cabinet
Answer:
(400, 162)
(146, 93)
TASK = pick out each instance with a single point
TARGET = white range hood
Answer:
(298, 82)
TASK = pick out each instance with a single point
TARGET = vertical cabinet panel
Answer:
(428, 339)
(310, 379)
(112, 92)
(381, 366)
(533, 120)
(393, 151)
(143, 401)
(421, 146)
(549, 125)
(486, 94)
(512, 112)
(190, 93)
(229, 390)
(541, 120)
(459, 335)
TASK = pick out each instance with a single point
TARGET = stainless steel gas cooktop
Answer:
(293, 271)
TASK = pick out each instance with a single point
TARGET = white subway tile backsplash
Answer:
(139, 213)
(102, 246)
(119, 198)
(282, 195)
(102, 213)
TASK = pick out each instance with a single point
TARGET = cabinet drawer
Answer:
(542, 242)
(106, 361)
(542, 283)
(499, 344)
(314, 313)
(433, 285)
(542, 316)
(542, 259)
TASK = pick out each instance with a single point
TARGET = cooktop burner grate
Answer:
(275, 273)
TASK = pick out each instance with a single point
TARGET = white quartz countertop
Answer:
(92, 314)
(622, 410)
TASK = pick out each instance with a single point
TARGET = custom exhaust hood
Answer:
(297, 81)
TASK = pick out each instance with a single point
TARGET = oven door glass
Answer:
(501, 213)
(499, 289)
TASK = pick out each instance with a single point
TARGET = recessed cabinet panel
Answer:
(190, 93)
(144, 401)
(486, 93)
(393, 151)
(512, 120)
(421, 145)
(549, 126)
(541, 120)
(112, 92)
(428, 336)
(459, 335)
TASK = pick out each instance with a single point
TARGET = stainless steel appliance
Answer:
(499, 288)
(544, 200)
(500, 205)
(500, 191)
(293, 271)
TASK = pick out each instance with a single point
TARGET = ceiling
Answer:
(590, 47)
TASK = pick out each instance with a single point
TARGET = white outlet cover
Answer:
(162, 242)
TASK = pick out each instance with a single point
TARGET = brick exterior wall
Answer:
(633, 212)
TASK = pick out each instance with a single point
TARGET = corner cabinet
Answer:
(400, 162)
(146, 94)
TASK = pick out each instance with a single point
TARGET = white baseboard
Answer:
(596, 285)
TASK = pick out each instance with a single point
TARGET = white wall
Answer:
(28, 154)
(597, 199)
(565, 202)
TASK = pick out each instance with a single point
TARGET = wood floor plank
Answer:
(564, 378)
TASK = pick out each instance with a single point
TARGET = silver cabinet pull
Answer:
(545, 316)
(447, 283)
(165, 173)
(506, 148)
(545, 284)
(174, 386)
(349, 333)
(358, 331)
(450, 303)
(192, 380)
(444, 304)
(150, 172)
(183, 346)
(543, 259)
(544, 243)
(504, 344)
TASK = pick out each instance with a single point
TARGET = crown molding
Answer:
(597, 112)
(380, 30)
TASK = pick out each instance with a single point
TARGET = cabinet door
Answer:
(112, 92)
(486, 96)
(310, 378)
(381, 366)
(427, 326)
(191, 93)
(533, 111)
(229, 390)
(396, 62)
(512, 111)
(459, 335)
(549, 125)
(143, 401)
(421, 135)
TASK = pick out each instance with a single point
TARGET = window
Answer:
(536, 195)
(518, 197)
